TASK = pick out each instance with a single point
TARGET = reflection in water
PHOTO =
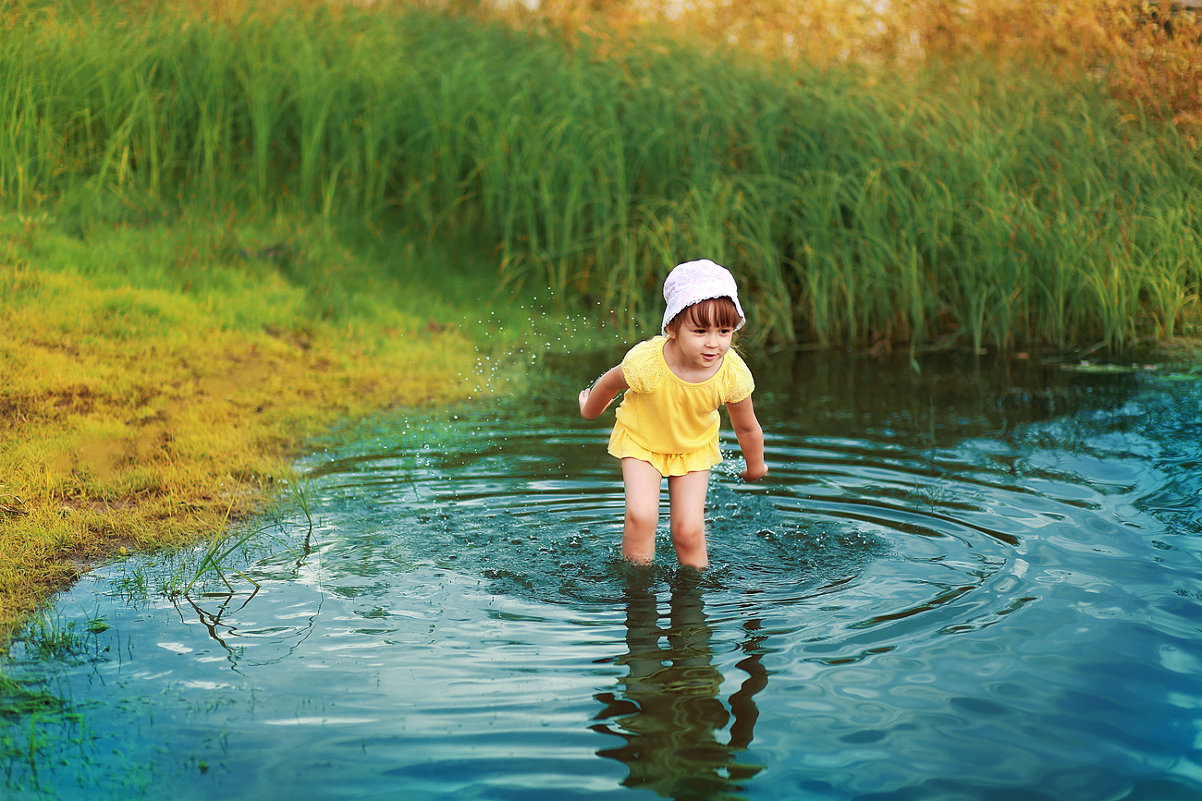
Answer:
(668, 711)
(213, 617)
(246, 640)
(218, 612)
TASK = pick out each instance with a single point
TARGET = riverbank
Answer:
(161, 372)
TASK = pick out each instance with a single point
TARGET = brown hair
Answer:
(719, 312)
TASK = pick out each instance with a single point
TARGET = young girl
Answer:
(667, 423)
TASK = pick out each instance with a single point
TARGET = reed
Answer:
(952, 203)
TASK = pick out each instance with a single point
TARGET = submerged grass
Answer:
(952, 203)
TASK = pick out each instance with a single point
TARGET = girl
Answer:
(667, 423)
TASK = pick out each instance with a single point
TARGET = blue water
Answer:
(980, 581)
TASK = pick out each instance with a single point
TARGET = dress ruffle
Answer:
(623, 445)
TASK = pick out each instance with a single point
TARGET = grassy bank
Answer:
(951, 203)
(159, 372)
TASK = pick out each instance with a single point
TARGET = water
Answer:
(977, 582)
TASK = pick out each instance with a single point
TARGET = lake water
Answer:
(977, 581)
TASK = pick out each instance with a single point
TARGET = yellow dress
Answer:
(669, 422)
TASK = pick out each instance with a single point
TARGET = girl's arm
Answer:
(751, 438)
(596, 399)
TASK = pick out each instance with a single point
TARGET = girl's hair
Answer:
(717, 312)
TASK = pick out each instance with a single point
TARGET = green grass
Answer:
(951, 205)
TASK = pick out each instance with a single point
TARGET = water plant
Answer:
(35, 724)
(49, 637)
(215, 558)
(18, 699)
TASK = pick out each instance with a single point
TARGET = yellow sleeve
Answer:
(642, 366)
(737, 384)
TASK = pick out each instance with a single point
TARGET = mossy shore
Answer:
(159, 373)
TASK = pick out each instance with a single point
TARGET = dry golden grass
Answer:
(1147, 54)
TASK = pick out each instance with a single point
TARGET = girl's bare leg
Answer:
(642, 510)
(687, 499)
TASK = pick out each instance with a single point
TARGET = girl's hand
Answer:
(583, 399)
(607, 387)
(751, 438)
(756, 474)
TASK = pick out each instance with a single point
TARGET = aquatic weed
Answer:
(49, 637)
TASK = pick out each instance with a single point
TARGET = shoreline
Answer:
(96, 512)
(137, 415)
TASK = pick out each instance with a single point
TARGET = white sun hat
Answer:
(695, 281)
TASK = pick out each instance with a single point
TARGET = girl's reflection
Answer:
(668, 711)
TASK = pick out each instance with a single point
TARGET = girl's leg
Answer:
(642, 510)
(687, 497)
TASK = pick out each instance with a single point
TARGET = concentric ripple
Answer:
(937, 593)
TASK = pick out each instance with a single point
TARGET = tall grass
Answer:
(951, 204)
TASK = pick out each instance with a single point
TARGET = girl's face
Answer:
(701, 344)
